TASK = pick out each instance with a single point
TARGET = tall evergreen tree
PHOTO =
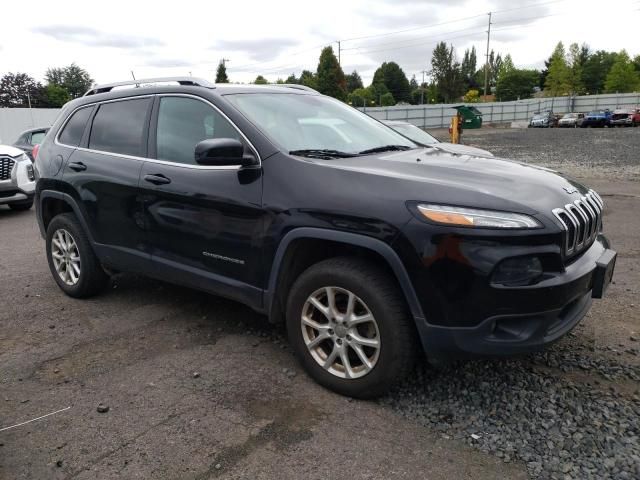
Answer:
(354, 82)
(595, 70)
(574, 70)
(392, 76)
(308, 79)
(623, 76)
(221, 73)
(557, 81)
(330, 77)
(446, 72)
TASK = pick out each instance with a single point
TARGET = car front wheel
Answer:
(349, 326)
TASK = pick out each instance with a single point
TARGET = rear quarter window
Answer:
(72, 132)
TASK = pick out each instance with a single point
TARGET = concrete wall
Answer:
(439, 115)
(15, 120)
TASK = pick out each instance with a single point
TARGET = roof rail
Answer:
(297, 86)
(186, 81)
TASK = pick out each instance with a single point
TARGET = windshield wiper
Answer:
(385, 148)
(322, 153)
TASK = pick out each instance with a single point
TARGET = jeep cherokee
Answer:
(371, 248)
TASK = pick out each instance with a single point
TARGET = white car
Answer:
(422, 138)
(17, 179)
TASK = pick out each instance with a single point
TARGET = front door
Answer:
(203, 223)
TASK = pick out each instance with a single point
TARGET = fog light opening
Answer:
(518, 271)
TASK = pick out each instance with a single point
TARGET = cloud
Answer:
(256, 49)
(95, 38)
(167, 62)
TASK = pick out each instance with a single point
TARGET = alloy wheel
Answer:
(340, 332)
(66, 256)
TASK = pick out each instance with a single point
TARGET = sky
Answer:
(278, 37)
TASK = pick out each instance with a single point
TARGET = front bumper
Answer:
(527, 318)
(19, 187)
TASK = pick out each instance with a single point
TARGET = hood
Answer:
(10, 151)
(461, 149)
(433, 175)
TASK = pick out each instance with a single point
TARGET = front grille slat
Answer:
(581, 222)
(6, 166)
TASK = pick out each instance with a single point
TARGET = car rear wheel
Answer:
(72, 262)
(349, 326)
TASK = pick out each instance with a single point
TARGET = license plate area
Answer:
(603, 273)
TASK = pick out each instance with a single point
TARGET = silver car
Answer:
(17, 179)
(420, 137)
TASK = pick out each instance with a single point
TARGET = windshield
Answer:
(414, 133)
(595, 114)
(312, 122)
(539, 116)
(570, 115)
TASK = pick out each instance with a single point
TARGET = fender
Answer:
(370, 243)
(69, 200)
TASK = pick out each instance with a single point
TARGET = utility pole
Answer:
(486, 63)
(422, 87)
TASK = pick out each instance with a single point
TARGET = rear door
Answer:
(204, 223)
(104, 173)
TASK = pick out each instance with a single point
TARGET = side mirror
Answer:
(222, 152)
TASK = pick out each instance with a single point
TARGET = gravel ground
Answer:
(198, 387)
(572, 412)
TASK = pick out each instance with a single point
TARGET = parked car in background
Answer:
(599, 118)
(29, 139)
(424, 139)
(571, 120)
(543, 120)
(17, 179)
(625, 118)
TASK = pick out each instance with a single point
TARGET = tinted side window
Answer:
(118, 127)
(182, 123)
(73, 130)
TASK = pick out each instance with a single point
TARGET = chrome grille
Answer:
(581, 221)
(6, 165)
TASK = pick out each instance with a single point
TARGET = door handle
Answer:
(77, 166)
(157, 179)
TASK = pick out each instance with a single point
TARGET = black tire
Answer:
(21, 206)
(378, 290)
(92, 277)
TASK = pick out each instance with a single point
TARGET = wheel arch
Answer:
(369, 244)
(52, 203)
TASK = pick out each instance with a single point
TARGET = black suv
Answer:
(372, 249)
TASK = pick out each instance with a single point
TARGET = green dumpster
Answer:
(471, 116)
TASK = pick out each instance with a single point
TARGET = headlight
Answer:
(472, 217)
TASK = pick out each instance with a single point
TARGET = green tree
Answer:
(574, 69)
(221, 73)
(73, 78)
(392, 76)
(354, 81)
(330, 77)
(387, 100)
(413, 83)
(472, 96)
(517, 84)
(468, 67)
(56, 95)
(17, 89)
(292, 79)
(260, 80)
(362, 97)
(308, 79)
(506, 67)
(446, 72)
(557, 81)
(495, 64)
(636, 63)
(595, 70)
(623, 76)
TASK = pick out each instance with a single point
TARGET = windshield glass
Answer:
(304, 122)
(570, 115)
(414, 133)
